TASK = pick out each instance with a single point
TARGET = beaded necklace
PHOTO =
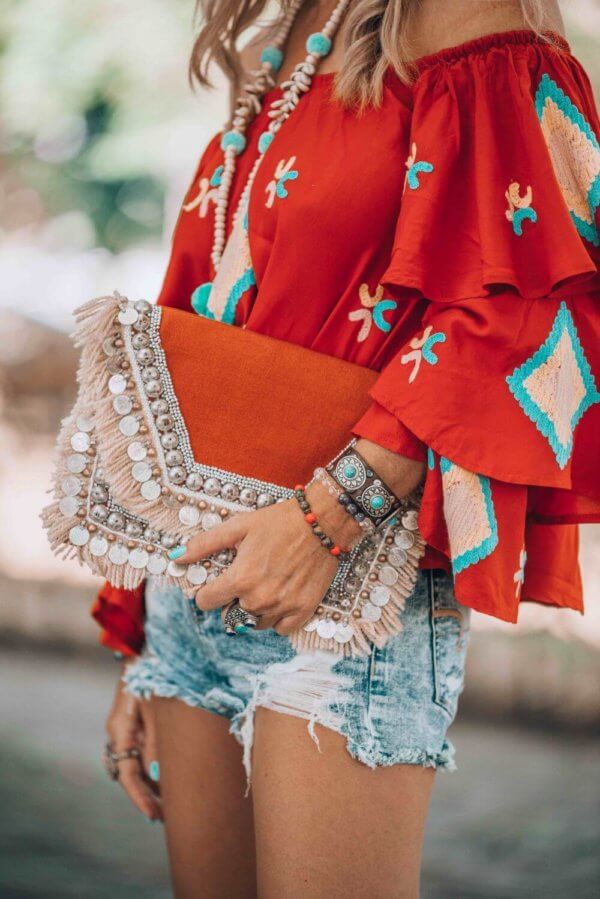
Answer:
(249, 104)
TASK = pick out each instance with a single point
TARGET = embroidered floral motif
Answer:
(414, 169)
(555, 386)
(519, 207)
(207, 192)
(519, 577)
(575, 154)
(430, 459)
(276, 188)
(421, 348)
(469, 514)
(373, 311)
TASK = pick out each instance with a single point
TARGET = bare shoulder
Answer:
(436, 24)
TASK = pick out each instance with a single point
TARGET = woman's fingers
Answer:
(132, 780)
(219, 592)
(149, 749)
(204, 544)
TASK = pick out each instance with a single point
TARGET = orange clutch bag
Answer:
(180, 422)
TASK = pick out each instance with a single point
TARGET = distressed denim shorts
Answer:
(393, 706)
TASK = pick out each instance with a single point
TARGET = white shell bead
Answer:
(129, 426)
(150, 490)
(409, 520)
(117, 384)
(157, 564)
(84, 424)
(122, 404)
(326, 628)
(197, 574)
(76, 463)
(71, 485)
(141, 472)
(404, 539)
(380, 596)
(68, 506)
(137, 451)
(80, 441)
(370, 612)
(388, 575)
(138, 558)
(118, 554)
(343, 633)
(98, 546)
(210, 520)
(189, 516)
(79, 535)
(128, 316)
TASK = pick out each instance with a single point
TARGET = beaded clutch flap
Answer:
(180, 422)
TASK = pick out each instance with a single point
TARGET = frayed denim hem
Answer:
(146, 678)
(373, 757)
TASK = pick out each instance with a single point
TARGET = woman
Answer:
(429, 213)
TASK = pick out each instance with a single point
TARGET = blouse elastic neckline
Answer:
(499, 39)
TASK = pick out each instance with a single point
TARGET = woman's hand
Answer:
(130, 725)
(281, 571)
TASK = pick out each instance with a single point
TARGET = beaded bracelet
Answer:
(333, 488)
(362, 489)
(311, 519)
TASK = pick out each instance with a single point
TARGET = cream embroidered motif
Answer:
(519, 577)
(575, 154)
(519, 207)
(372, 312)
(207, 193)
(421, 348)
(284, 172)
(469, 514)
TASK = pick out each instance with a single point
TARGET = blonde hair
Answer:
(376, 37)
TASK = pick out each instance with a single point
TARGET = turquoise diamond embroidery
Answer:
(575, 154)
(555, 386)
(470, 515)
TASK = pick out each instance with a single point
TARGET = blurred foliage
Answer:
(85, 96)
(94, 111)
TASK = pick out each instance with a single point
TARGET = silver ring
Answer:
(111, 759)
(238, 620)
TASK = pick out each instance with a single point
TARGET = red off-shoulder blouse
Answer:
(450, 239)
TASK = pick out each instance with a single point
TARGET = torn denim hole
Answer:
(306, 686)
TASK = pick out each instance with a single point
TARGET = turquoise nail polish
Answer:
(154, 771)
(241, 629)
(177, 552)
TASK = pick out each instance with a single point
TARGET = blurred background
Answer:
(100, 135)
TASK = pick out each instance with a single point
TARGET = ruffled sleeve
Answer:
(498, 230)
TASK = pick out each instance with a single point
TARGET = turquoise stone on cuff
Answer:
(241, 629)
(377, 502)
(272, 55)
(233, 139)
(319, 44)
(350, 471)
(264, 141)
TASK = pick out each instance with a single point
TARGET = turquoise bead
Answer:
(264, 141)
(241, 629)
(199, 298)
(350, 471)
(377, 502)
(233, 139)
(273, 56)
(319, 44)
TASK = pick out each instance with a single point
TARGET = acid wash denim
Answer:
(393, 706)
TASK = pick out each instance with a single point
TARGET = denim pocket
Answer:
(449, 629)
